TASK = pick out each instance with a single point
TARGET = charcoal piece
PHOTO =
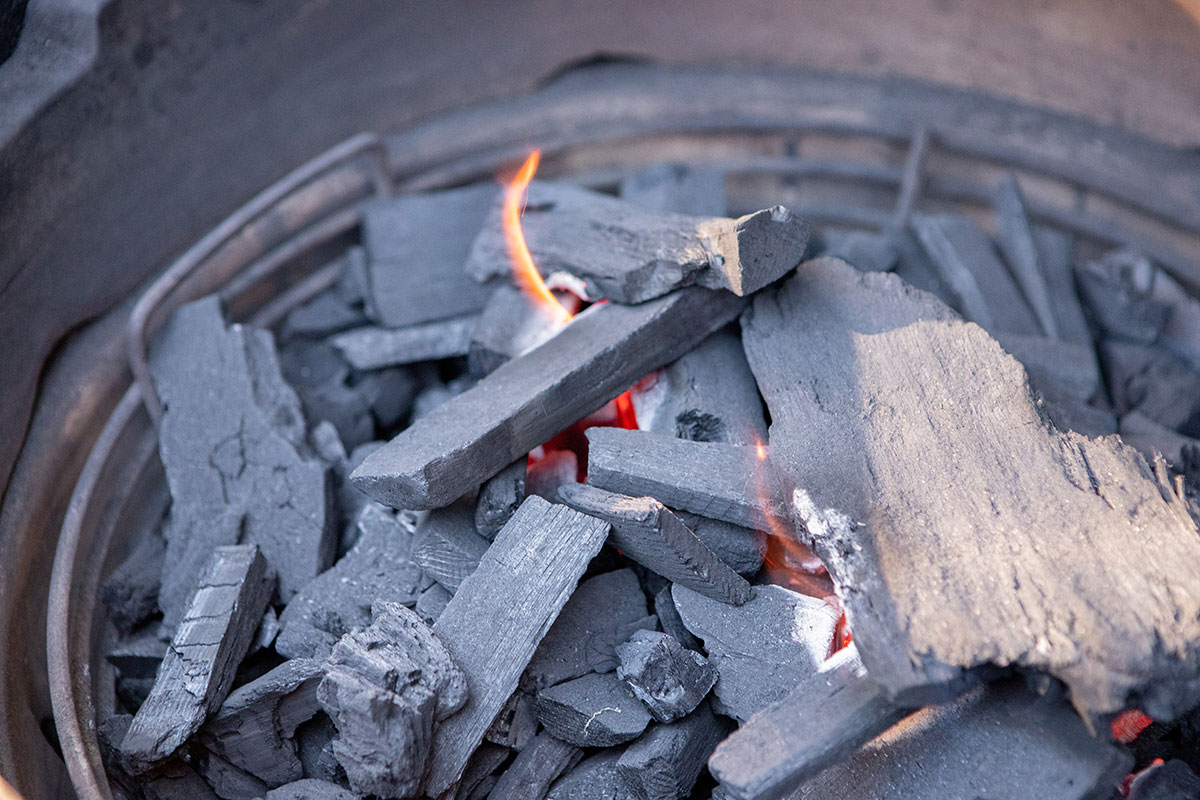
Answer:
(870, 252)
(1072, 414)
(268, 629)
(373, 348)
(255, 725)
(322, 380)
(515, 725)
(535, 768)
(339, 600)
(646, 531)
(499, 498)
(432, 602)
(350, 501)
(512, 323)
(483, 762)
(1117, 290)
(325, 314)
(397, 625)
(741, 548)
(130, 593)
(1148, 436)
(390, 394)
(173, 780)
(139, 655)
(670, 679)
(852, 427)
(311, 789)
(198, 669)
(1170, 780)
(979, 281)
(1055, 257)
(1018, 244)
(585, 635)
(672, 623)
(446, 546)
(1150, 380)
(228, 781)
(665, 763)
(464, 441)
(499, 615)
(761, 649)
(232, 442)
(596, 710)
(416, 246)
(314, 748)
(1181, 334)
(627, 254)
(916, 268)
(705, 478)
(707, 395)
(1069, 368)
(824, 719)
(546, 475)
(999, 741)
(594, 778)
(682, 189)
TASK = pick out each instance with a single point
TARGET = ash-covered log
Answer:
(374, 348)
(597, 710)
(669, 678)
(665, 763)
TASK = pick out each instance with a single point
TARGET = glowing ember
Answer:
(528, 278)
(1129, 724)
(1127, 782)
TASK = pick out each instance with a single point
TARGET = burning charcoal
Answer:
(512, 323)
(321, 378)
(926, 600)
(535, 768)
(672, 623)
(486, 759)
(624, 253)
(1170, 780)
(1117, 290)
(232, 442)
(644, 530)
(670, 679)
(595, 778)
(1000, 741)
(199, 667)
(254, 728)
(822, 720)
(499, 615)
(1147, 436)
(1150, 380)
(446, 546)
(968, 264)
(339, 599)
(311, 789)
(1071, 369)
(372, 348)
(229, 782)
(741, 548)
(697, 191)
(458, 445)
(707, 395)
(598, 617)
(499, 498)
(546, 475)
(713, 480)
(870, 252)
(139, 655)
(596, 710)
(130, 593)
(665, 763)
(516, 724)
(1014, 234)
(761, 649)
(432, 603)
(416, 246)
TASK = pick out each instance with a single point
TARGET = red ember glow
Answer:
(1126, 785)
(1129, 724)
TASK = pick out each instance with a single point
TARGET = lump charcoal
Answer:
(1170, 780)
(917, 270)
(584, 638)
(198, 669)
(870, 252)
(594, 778)
(627, 254)
(512, 323)
(516, 724)
(398, 626)
(175, 780)
(1181, 334)
(850, 430)
(138, 655)
(646, 531)
(1117, 290)
(478, 774)
(498, 616)
(130, 593)
(432, 602)
(339, 600)
(322, 380)
(1015, 237)
(314, 748)
(670, 679)
(741, 548)
(544, 476)
(1069, 369)
(1055, 255)
(1150, 380)
(325, 314)
(227, 780)
(499, 498)
(311, 789)
(446, 546)
(535, 768)
(464, 441)
(761, 649)
(596, 710)
(1072, 414)
(416, 246)
(682, 189)
(998, 741)
(232, 442)
(350, 501)
(373, 348)
(706, 395)
(672, 623)
(389, 392)
(1149, 437)
(665, 763)
(254, 728)
(268, 629)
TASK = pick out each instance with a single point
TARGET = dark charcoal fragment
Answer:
(670, 679)
(1118, 292)
(139, 655)
(311, 789)
(741, 548)
(432, 603)
(499, 498)
(131, 592)
(446, 546)
(1150, 438)
(594, 778)
(683, 189)
(374, 348)
(1171, 780)
(1147, 379)
(314, 748)
(665, 763)
(596, 710)
(516, 724)
(477, 779)
(672, 623)
(511, 324)
(870, 252)
(322, 379)
(535, 768)
(227, 780)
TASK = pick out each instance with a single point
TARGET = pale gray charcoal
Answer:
(1150, 380)
(698, 191)
(597, 710)
(594, 778)
(478, 778)
(311, 789)
(739, 547)
(446, 546)
(870, 252)
(512, 323)
(432, 602)
(669, 678)
(665, 763)
(671, 622)
(1118, 293)
(1015, 237)
(373, 347)
(322, 380)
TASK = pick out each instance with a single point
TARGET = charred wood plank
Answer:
(499, 615)
(665, 763)
(198, 669)
(680, 188)
(670, 679)
(446, 546)
(374, 348)
(741, 548)
(535, 768)
(596, 710)
(471, 437)
(1014, 234)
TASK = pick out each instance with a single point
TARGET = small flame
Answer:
(527, 276)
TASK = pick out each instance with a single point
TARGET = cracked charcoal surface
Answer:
(596, 710)
(665, 763)
(667, 677)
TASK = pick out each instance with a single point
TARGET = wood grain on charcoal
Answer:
(596, 710)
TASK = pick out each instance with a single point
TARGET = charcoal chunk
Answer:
(1171, 780)
(446, 546)
(596, 710)
(227, 780)
(1149, 380)
(311, 789)
(374, 348)
(1014, 233)
(594, 778)
(670, 679)
(535, 768)
(512, 323)
(139, 655)
(683, 189)
(432, 603)
(131, 592)
(499, 498)
(665, 763)
(671, 622)
(1118, 292)
(322, 379)
(516, 724)
(739, 547)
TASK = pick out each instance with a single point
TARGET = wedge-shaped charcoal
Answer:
(624, 253)
(670, 679)
(979, 281)
(232, 442)
(372, 348)
(311, 789)
(535, 768)
(741, 548)
(515, 725)
(594, 778)
(254, 728)
(713, 480)
(396, 625)
(597, 710)
(671, 622)
(825, 718)
(227, 780)
(603, 612)
(499, 615)
(698, 191)
(962, 531)
(646, 531)
(1150, 380)
(432, 602)
(322, 380)
(665, 763)
(1118, 291)
(469, 438)
(761, 649)
(999, 741)
(511, 324)
(499, 498)
(446, 546)
(339, 600)
(325, 314)
(130, 593)
(478, 776)
(314, 748)
(1170, 780)
(198, 669)
(416, 246)
(1014, 234)
(707, 395)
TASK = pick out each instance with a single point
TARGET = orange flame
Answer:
(528, 278)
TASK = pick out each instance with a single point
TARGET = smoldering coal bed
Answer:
(427, 537)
